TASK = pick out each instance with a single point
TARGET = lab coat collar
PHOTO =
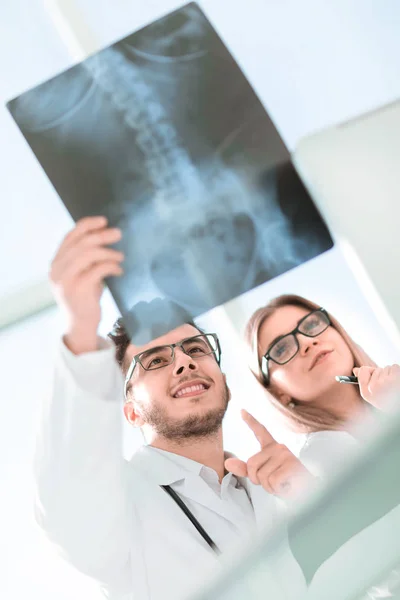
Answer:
(165, 467)
(163, 470)
(268, 509)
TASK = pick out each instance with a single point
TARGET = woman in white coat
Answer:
(297, 351)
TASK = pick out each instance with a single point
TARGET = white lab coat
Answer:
(109, 517)
(371, 550)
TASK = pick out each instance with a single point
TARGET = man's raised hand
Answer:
(77, 275)
(275, 468)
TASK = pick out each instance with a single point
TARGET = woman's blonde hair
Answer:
(302, 417)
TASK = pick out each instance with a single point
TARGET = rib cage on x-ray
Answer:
(162, 134)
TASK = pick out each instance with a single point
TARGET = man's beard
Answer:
(192, 426)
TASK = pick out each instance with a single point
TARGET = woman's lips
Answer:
(321, 356)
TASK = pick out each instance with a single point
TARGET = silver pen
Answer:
(346, 379)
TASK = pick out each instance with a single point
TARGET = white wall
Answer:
(27, 566)
(312, 63)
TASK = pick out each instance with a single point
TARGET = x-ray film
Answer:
(162, 133)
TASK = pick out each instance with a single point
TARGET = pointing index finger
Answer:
(262, 434)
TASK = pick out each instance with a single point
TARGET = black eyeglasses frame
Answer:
(136, 360)
(266, 357)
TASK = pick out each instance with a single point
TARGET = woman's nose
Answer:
(306, 343)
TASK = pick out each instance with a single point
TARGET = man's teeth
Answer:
(189, 390)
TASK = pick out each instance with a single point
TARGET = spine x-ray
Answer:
(162, 133)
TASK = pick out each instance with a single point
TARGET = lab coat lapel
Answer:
(271, 512)
(156, 467)
(150, 470)
(268, 509)
(163, 471)
(196, 489)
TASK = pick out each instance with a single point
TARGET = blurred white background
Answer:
(313, 64)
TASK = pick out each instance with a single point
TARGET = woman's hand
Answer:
(379, 386)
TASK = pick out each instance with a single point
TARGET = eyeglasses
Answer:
(283, 349)
(196, 347)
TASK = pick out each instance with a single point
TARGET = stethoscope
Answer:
(178, 500)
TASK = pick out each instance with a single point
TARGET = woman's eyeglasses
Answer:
(284, 348)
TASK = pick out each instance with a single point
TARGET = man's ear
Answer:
(227, 387)
(131, 415)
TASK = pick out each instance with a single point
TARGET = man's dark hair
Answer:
(122, 339)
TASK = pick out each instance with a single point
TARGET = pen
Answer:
(345, 379)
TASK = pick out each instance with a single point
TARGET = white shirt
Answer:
(110, 517)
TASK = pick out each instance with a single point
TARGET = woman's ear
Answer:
(285, 399)
(131, 415)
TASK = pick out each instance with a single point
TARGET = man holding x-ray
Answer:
(123, 522)
(160, 525)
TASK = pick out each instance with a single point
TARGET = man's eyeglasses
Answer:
(283, 349)
(197, 347)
